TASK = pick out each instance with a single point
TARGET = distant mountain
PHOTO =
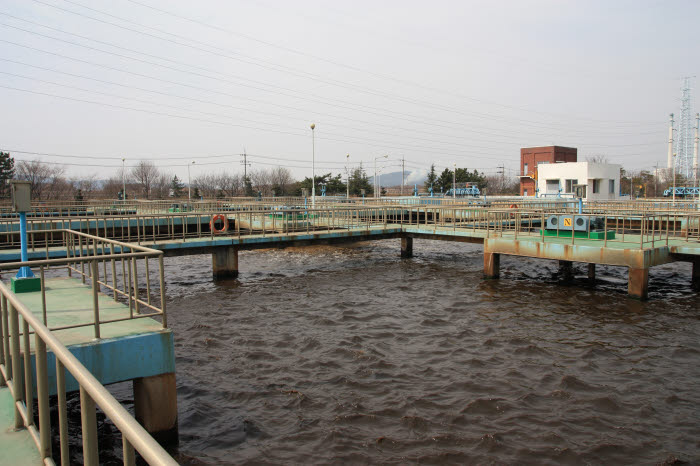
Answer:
(394, 178)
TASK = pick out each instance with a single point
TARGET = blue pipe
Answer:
(24, 272)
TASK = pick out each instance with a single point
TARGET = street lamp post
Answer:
(189, 182)
(347, 162)
(313, 166)
(454, 182)
(377, 183)
(673, 185)
(124, 179)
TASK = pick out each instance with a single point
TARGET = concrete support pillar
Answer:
(155, 406)
(591, 272)
(225, 262)
(492, 263)
(695, 280)
(406, 247)
(566, 271)
(638, 283)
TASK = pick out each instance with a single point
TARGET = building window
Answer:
(552, 186)
(525, 193)
(570, 185)
(525, 171)
(596, 186)
(612, 186)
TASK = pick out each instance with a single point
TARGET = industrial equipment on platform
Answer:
(581, 226)
(575, 222)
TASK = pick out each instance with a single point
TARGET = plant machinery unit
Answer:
(581, 226)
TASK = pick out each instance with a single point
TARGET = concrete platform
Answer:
(127, 350)
(16, 447)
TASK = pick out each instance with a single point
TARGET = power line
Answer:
(354, 68)
(454, 110)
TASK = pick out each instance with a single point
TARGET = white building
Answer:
(602, 180)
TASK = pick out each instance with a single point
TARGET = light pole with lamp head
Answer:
(673, 185)
(189, 182)
(313, 166)
(454, 182)
(377, 184)
(347, 162)
(124, 179)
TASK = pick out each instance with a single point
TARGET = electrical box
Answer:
(305, 192)
(580, 190)
(21, 196)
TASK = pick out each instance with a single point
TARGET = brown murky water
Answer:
(352, 355)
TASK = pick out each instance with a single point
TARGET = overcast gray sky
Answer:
(433, 82)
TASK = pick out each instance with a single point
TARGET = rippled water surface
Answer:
(352, 355)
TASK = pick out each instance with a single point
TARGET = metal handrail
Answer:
(92, 392)
(93, 252)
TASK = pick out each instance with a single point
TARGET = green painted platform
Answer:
(16, 447)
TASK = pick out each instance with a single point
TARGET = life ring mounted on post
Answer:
(513, 206)
(216, 218)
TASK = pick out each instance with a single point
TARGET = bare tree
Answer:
(229, 184)
(46, 181)
(599, 158)
(145, 175)
(281, 180)
(261, 180)
(161, 186)
(87, 185)
(207, 185)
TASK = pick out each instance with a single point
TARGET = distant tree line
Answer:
(148, 181)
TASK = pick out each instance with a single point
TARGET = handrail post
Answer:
(136, 285)
(17, 383)
(88, 419)
(42, 393)
(162, 289)
(95, 304)
(62, 412)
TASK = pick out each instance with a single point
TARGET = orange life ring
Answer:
(213, 221)
(513, 206)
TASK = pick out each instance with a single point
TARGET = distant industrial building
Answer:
(598, 181)
(554, 171)
(532, 157)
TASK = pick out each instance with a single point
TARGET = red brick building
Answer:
(530, 157)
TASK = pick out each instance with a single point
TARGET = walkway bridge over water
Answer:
(100, 316)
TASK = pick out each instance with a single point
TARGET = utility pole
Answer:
(403, 168)
(502, 171)
(124, 179)
(245, 165)
(656, 179)
(313, 166)
(347, 170)
(454, 182)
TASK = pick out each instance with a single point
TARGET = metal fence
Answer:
(16, 372)
(104, 264)
(150, 229)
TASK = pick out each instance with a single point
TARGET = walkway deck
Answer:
(126, 350)
(16, 447)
